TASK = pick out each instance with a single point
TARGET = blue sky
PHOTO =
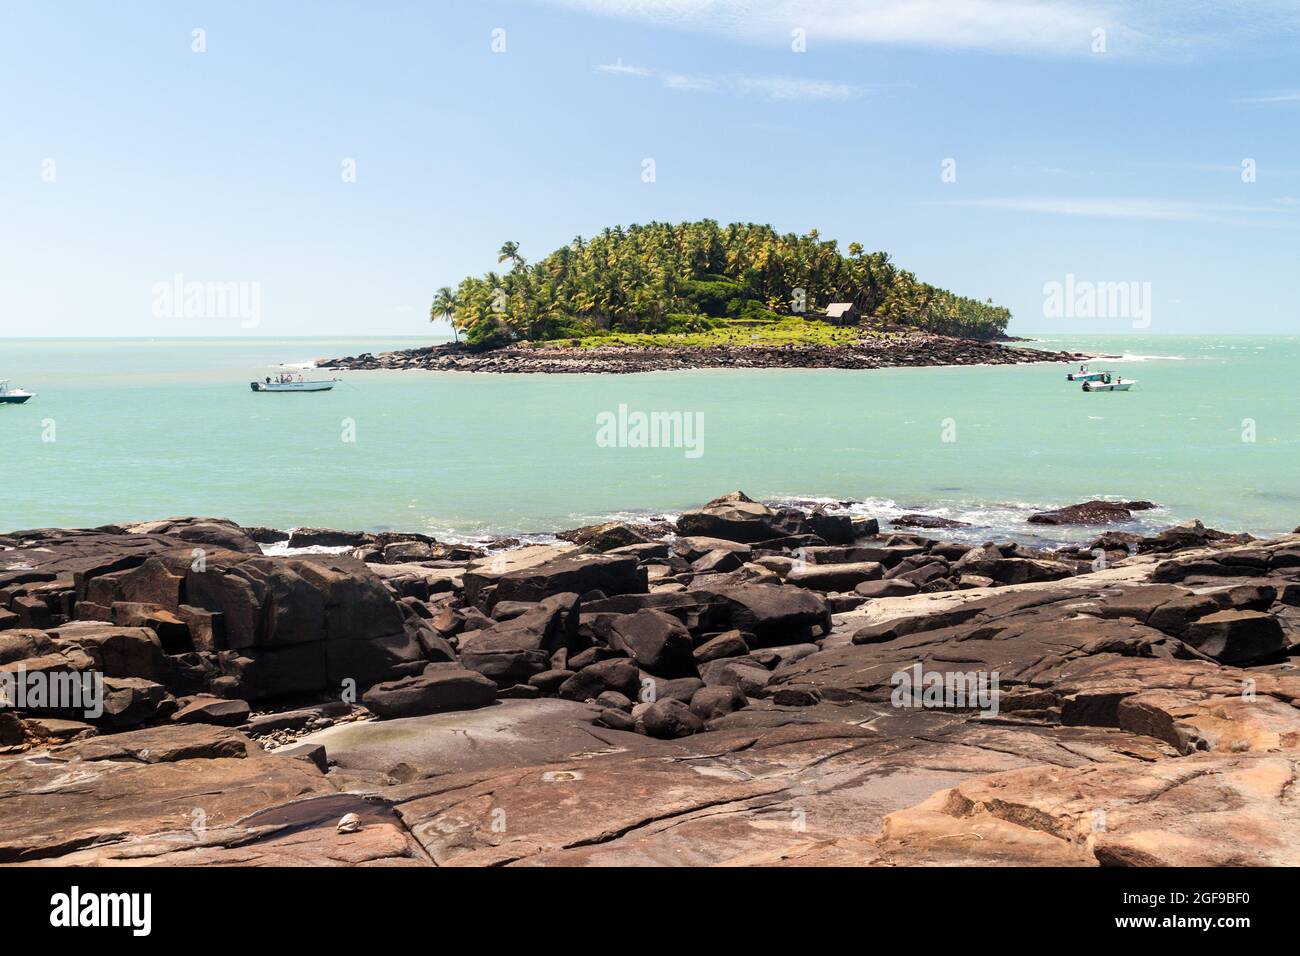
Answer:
(227, 165)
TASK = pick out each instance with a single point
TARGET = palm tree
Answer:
(510, 250)
(444, 307)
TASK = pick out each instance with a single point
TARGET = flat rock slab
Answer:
(51, 807)
(300, 833)
(512, 733)
(728, 796)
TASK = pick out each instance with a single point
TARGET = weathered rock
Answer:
(590, 682)
(1091, 512)
(893, 587)
(717, 701)
(728, 644)
(669, 719)
(926, 521)
(607, 536)
(736, 517)
(218, 533)
(1237, 637)
(772, 614)
(512, 651)
(578, 573)
(657, 641)
(212, 710)
(834, 577)
(441, 687)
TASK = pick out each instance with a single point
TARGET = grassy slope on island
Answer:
(702, 282)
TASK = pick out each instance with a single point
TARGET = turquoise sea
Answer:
(133, 429)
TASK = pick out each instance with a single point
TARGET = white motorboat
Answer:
(13, 396)
(289, 383)
(1119, 384)
(1084, 375)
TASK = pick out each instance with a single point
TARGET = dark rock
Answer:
(590, 682)
(1091, 512)
(894, 587)
(608, 536)
(717, 561)
(1237, 637)
(549, 682)
(834, 577)
(736, 517)
(616, 720)
(670, 719)
(728, 644)
(772, 614)
(613, 700)
(512, 651)
(212, 710)
(657, 641)
(926, 521)
(717, 701)
(441, 687)
(750, 676)
(679, 688)
(327, 538)
(578, 573)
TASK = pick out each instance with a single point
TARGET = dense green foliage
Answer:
(665, 278)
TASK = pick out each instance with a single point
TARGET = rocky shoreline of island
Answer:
(898, 350)
(394, 700)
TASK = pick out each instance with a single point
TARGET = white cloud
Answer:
(1282, 96)
(1154, 28)
(741, 84)
(1162, 210)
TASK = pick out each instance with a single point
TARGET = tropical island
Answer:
(699, 294)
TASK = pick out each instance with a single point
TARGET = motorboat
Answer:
(13, 396)
(1117, 385)
(1083, 375)
(290, 383)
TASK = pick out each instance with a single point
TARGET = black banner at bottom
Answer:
(147, 905)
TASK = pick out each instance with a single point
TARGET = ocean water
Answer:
(127, 430)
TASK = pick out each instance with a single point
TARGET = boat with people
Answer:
(13, 396)
(288, 382)
(1118, 384)
(1084, 375)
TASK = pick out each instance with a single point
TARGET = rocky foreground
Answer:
(720, 691)
(903, 349)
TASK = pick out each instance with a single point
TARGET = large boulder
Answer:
(736, 517)
(834, 577)
(589, 683)
(1091, 512)
(1237, 637)
(117, 651)
(441, 687)
(773, 614)
(578, 573)
(657, 641)
(512, 651)
(219, 534)
(608, 536)
(669, 719)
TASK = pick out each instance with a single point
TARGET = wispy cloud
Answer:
(1160, 210)
(1151, 28)
(740, 84)
(1280, 96)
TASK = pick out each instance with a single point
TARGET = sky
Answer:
(321, 168)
